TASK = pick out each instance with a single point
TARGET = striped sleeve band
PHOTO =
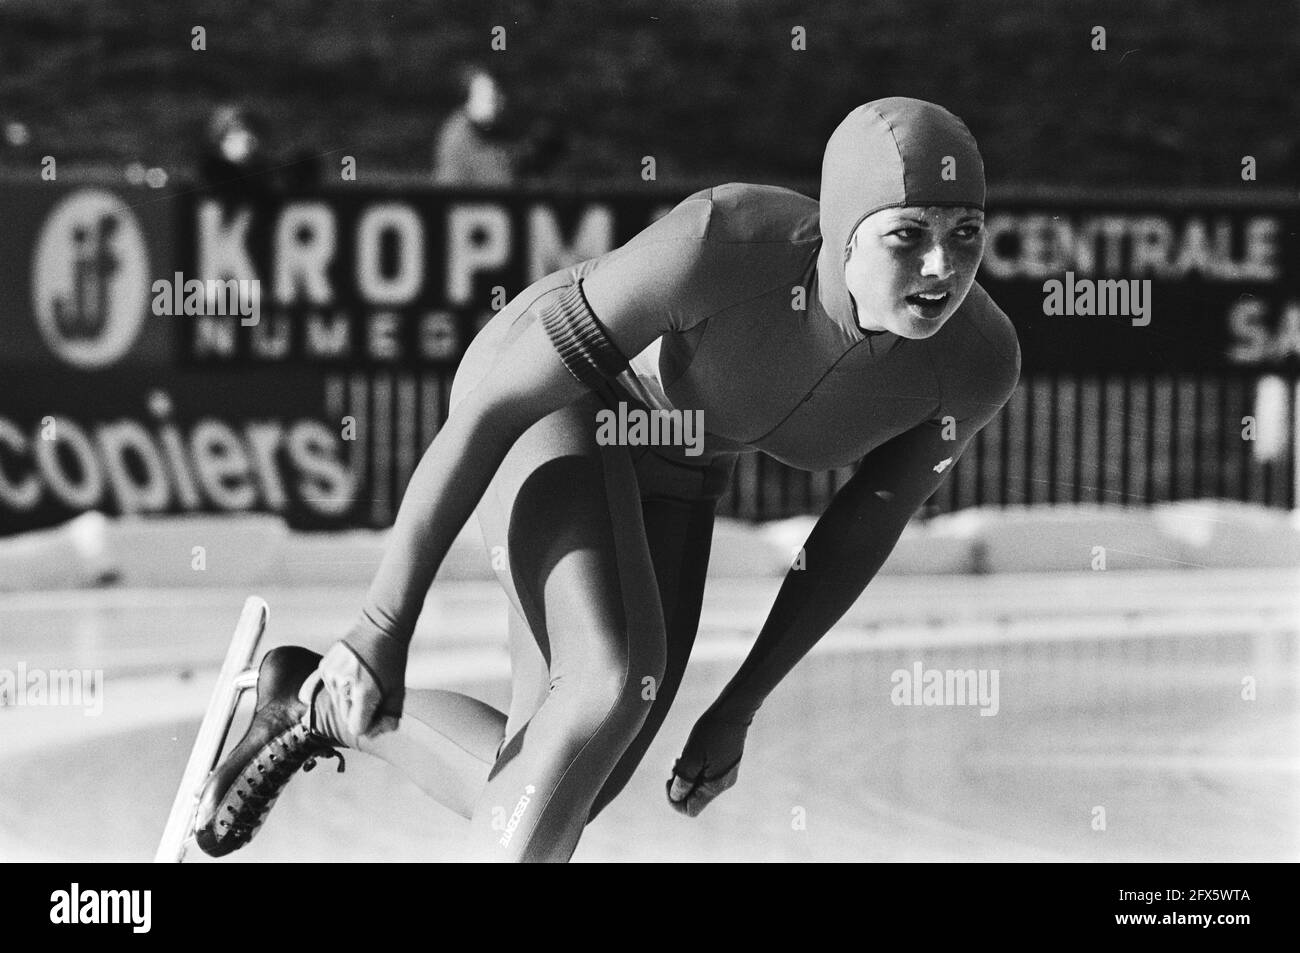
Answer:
(582, 343)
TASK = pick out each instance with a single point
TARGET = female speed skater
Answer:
(820, 333)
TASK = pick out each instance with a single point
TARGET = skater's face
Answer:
(910, 268)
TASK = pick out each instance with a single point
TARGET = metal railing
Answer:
(1125, 440)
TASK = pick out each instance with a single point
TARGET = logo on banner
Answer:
(90, 279)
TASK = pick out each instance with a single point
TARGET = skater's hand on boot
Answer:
(365, 684)
(710, 763)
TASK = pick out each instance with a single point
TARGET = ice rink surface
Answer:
(1120, 698)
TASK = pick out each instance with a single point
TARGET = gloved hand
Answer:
(710, 763)
(365, 678)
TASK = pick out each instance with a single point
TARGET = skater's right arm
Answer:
(554, 360)
(528, 382)
(668, 278)
(551, 364)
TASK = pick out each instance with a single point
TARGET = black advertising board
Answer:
(1209, 285)
(375, 293)
(371, 279)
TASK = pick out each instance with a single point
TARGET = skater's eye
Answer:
(968, 232)
(906, 235)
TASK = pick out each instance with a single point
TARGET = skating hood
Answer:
(885, 154)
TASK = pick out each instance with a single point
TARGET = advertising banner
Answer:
(1168, 286)
(312, 379)
(373, 279)
(175, 441)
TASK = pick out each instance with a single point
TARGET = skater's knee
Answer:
(613, 694)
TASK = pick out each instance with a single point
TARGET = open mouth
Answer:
(929, 303)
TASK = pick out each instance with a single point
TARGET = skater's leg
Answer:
(568, 513)
(678, 508)
(680, 537)
(447, 742)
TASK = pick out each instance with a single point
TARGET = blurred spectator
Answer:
(236, 157)
(471, 148)
(15, 140)
(480, 144)
(17, 135)
(232, 155)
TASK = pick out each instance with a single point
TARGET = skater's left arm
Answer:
(849, 543)
(847, 546)
(860, 528)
